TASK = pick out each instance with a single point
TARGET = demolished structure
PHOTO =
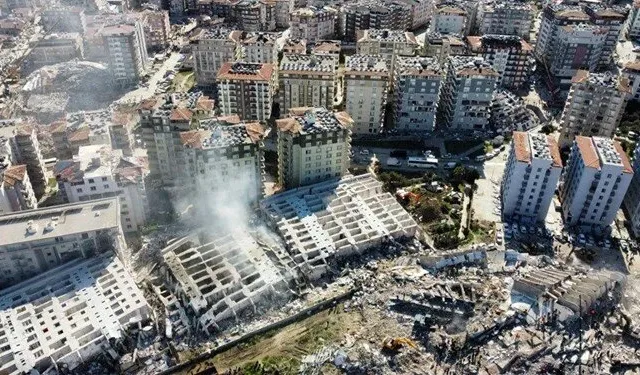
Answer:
(336, 218)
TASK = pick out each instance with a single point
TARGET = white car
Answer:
(364, 152)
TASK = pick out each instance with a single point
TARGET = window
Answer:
(79, 190)
(93, 188)
(104, 179)
(90, 180)
(106, 186)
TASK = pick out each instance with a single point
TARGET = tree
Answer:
(430, 210)
(392, 181)
(547, 129)
(464, 174)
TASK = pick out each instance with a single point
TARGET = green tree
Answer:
(430, 210)
(547, 129)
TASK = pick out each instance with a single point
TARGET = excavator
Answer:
(393, 345)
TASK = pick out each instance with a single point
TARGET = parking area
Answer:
(486, 204)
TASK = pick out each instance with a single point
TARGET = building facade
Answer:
(98, 172)
(467, 93)
(509, 55)
(594, 107)
(246, 90)
(507, 18)
(367, 82)
(369, 14)
(259, 48)
(312, 24)
(387, 43)
(307, 81)
(56, 235)
(442, 46)
(313, 146)
(127, 52)
(632, 198)
(631, 72)
(16, 192)
(594, 183)
(633, 27)
(416, 88)
(530, 178)
(55, 48)
(210, 50)
(449, 19)
(63, 20)
(25, 149)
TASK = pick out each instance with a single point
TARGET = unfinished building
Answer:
(68, 315)
(222, 277)
(336, 218)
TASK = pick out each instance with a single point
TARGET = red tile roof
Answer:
(521, 147)
(263, 73)
(555, 151)
(588, 152)
(181, 114)
(14, 173)
(626, 165)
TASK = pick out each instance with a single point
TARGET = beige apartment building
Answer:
(313, 146)
(367, 80)
(388, 43)
(312, 24)
(247, 90)
(307, 81)
(211, 49)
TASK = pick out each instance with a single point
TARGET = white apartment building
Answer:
(367, 81)
(633, 21)
(594, 107)
(98, 171)
(449, 19)
(631, 71)
(68, 315)
(417, 82)
(387, 43)
(467, 92)
(37, 240)
(258, 48)
(16, 193)
(632, 198)
(127, 52)
(530, 177)
(312, 24)
(313, 146)
(594, 183)
(247, 90)
(211, 49)
(507, 18)
(307, 81)
(216, 156)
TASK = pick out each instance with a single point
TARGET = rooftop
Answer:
(451, 9)
(331, 47)
(528, 146)
(292, 63)
(386, 35)
(74, 218)
(605, 79)
(259, 38)
(366, 65)
(314, 120)
(217, 136)
(418, 67)
(471, 66)
(246, 71)
(114, 30)
(13, 174)
(477, 43)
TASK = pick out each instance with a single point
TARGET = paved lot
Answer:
(486, 199)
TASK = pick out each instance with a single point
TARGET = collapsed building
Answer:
(334, 219)
(68, 315)
(564, 294)
(222, 277)
(509, 113)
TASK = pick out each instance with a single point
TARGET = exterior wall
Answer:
(633, 31)
(366, 97)
(416, 102)
(53, 51)
(306, 90)
(208, 57)
(632, 198)
(633, 75)
(260, 53)
(575, 49)
(25, 149)
(127, 56)
(448, 24)
(251, 100)
(18, 197)
(63, 20)
(388, 49)
(527, 189)
(312, 24)
(312, 158)
(591, 110)
(507, 20)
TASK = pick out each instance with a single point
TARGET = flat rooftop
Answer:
(294, 63)
(70, 309)
(386, 35)
(218, 136)
(606, 79)
(367, 65)
(314, 120)
(471, 66)
(336, 218)
(418, 67)
(71, 219)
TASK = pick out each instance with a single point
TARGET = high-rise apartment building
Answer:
(313, 146)
(594, 183)
(307, 81)
(530, 177)
(369, 14)
(25, 149)
(16, 192)
(594, 107)
(509, 55)
(61, 19)
(127, 52)
(313, 24)
(211, 49)
(421, 12)
(215, 157)
(416, 89)
(633, 27)
(258, 48)
(247, 90)
(255, 15)
(283, 9)
(367, 81)
(98, 171)
(467, 92)
(162, 119)
(442, 46)
(157, 29)
(631, 72)
(449, 19)
(507, 18)
(35, 241)
(387, 43)
(632, 198)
